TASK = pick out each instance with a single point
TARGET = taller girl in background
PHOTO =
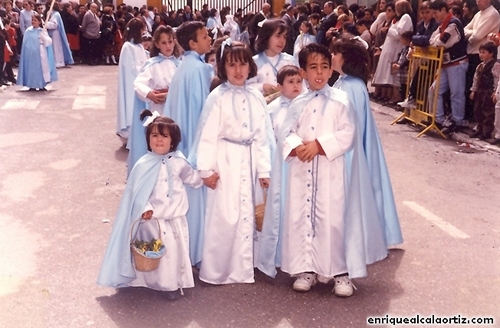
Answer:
(151, 86)
(233, 154)
(269, 44)
(132, 59)
(371, 200)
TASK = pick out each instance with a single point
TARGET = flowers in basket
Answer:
(151, 249)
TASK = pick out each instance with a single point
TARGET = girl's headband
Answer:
(225, 43)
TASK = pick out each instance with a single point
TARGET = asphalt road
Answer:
(62, 172)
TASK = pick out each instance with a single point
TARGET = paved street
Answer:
(62, 173)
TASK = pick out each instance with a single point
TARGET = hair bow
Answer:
(214, 31)
(225, 43)
(363, 42)
(151, 118)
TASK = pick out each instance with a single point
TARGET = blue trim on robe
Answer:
(68, 57)
(117, 269)
(187, 94)
(30, 73)
(364, 237)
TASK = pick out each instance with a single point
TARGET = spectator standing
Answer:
(289, 19)
(188, 14)
(91, 28)
(326, 23)
(256, 23)
(469, 9)
(72, 28)
(484, 22)
(25, 16)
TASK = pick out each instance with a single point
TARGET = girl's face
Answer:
(166, 44)
(303, 28)
(337, 62)
(389, 13)
(381, 5)
(237, 72)
(212, 60)
(160, 144)
(157, 19)
(35, 22)
(276, 43)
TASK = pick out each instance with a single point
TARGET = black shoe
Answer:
(171, 295)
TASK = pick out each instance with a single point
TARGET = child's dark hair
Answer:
(314, 48)
(408, 35)
(314, 16)
(490, 47)
(364, 22)
(356, 57)
(164, 29)
(164, 125)
(287, 70)
(188, 31)
(267, 30)
(133, 31)
(309, 26)
(438, 5)
(237, 51)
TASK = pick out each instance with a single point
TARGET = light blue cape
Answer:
(117, 269)
(187, 94)
(30, 72)
(68, 57)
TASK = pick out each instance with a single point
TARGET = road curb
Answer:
(458, 137)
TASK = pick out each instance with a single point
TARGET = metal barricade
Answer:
(425, 71)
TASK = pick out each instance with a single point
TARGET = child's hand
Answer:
(264, 182)
(147, 215)
(299, 151)
(211, 181)
(395, 66)
(157, 97)
(494, 97)
(471, 96)
(311, 149)
(269, 89)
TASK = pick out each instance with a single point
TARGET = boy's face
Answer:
(292, 86)
(317, 71)
(426, 15)
(439, 15)
(314, 21)
(203, 42)
(485, 55)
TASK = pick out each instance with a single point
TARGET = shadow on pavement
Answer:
(267, 303)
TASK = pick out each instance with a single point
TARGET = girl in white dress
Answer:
(151, 86)
(390, 51)
(155, 188)
(306, 36)
(269, 44)
(233, 157)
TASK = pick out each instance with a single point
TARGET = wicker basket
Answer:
(259, 213)
(141, 261)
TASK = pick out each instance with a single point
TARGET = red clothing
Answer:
(11, 32)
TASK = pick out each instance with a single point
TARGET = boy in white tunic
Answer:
(321, 132)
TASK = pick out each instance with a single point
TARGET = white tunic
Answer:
(155, 77)
(45, 41)
(390, 51)
(56, 42)
(268, 67)
(313, 230)
(170, 207)
(234, 144)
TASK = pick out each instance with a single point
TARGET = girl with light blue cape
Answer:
(36, 64)
(155, 188)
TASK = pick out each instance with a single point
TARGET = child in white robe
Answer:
(164, 199)
(132, 59)
(290, 86)
(270, 43)
(233, 157)
(321, 130)
(151, 86)
(305, 37)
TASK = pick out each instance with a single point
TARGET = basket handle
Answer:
(139, 219)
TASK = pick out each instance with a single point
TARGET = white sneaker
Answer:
(343, 286)
(407, 103)
(304, 282)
